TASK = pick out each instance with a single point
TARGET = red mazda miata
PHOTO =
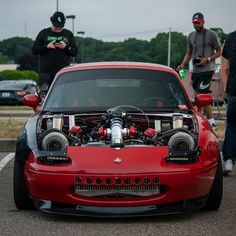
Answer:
(117, 139)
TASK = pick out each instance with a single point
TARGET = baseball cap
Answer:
(58, 19)
(198, 17)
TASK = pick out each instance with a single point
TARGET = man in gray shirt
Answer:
(203, 48)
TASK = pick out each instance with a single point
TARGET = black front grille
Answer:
(116, 181)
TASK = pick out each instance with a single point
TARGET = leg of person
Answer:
(43, 84)
(229, 145)
(210, 117)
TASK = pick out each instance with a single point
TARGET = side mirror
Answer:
(202, 100)
(31, 100)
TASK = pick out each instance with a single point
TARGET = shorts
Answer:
(201, 81)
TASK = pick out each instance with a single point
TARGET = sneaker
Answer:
(228, 166)
(214, 127)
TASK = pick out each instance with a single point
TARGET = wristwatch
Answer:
(208, 59)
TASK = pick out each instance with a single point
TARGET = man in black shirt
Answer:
(55, 46)
(228, 73)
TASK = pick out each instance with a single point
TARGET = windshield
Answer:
(100, 89)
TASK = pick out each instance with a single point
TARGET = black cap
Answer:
(198, 17)
(58, 19)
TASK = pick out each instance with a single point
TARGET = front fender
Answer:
(26, 140)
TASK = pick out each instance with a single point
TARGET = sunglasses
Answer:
(197, 22)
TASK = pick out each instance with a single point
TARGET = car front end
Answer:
(126, 160)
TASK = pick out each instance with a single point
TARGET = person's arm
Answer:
(215, 54)
(39, 46)
(71, 47)
(217, 46)
(224, 71)
(186, 59)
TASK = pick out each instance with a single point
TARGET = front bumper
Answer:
(182, 187)
(94, 211)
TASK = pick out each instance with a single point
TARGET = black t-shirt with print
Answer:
(52, 60)
(229, 52)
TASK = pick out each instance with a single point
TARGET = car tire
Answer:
(21, 194)
(215, 195)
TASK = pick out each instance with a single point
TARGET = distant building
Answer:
(8, 67)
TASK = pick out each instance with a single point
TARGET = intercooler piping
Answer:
(117, 132)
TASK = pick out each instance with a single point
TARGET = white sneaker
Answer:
(228, 166)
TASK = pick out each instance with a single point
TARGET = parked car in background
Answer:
(117, 139)
(13, 91)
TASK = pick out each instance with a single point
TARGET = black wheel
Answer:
(21, 194)
(215, 196)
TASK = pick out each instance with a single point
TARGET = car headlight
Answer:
(53, 157)
(55, 160)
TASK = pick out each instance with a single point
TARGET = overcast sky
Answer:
(115, 20)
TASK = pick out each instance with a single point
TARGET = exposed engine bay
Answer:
(117, 128)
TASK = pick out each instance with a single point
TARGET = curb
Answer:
(9, 145)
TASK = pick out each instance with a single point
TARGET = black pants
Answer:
(44, 82)
(45, 78)
(229, 145)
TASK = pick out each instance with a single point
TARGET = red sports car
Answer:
(117, 139)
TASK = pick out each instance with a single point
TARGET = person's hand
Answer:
(203, 61)
(60, 45)
(51, 45)
(180, 67)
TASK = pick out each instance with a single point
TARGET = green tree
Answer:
(92, 50)
(15, 47)
(222, 36)
(27, 61)
(3, 58)
(158, 48)
(116, 54)
(137, 50)
(178, 48)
